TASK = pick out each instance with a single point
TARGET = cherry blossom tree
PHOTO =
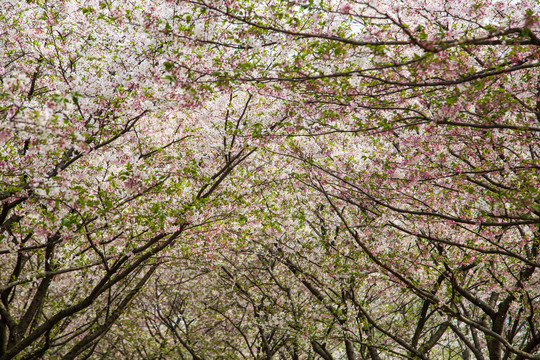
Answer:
(106, 163)
(417, 125)
(279, 179)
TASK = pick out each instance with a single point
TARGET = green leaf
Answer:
(451, 100)
(168, 65)
(87, 10)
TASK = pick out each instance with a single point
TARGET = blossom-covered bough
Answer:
(105, 163)
(335, 180)
(417, 125)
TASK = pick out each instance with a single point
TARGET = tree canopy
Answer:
(240, 179)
